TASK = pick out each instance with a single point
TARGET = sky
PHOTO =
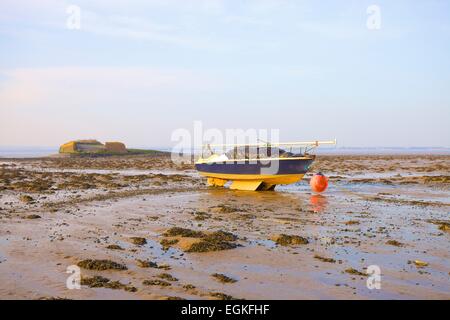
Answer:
(369, 73)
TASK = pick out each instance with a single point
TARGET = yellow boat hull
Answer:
(250, 182)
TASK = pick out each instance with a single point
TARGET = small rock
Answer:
(420, 263)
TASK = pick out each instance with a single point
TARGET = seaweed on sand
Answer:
(33, 216)
(222, 208)
(222, 296)
(183, 232)
(166, 243)
(102, 282)
(394, 243)
(354, 272)
(189, 286)
(94, 264)
(444, 225)
(95, 281)
(220, 236)
(206, 246)
(156, 282)
(167, 276)
(223, 278)
(200, 215)
(114, 247)
(146, 264)
(138, 241)
(324, 259)
(216, 241)
(26, 198)
(286, 240)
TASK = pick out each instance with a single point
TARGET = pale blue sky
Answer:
(137, 70)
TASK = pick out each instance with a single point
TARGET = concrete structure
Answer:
(92, 146)
(115, 147)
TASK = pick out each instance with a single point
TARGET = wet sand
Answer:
(387, 211)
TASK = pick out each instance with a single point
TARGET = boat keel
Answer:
(251, 185)
(216, 182)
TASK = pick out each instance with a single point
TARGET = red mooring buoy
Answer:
(318, 183)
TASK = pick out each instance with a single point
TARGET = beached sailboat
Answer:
(257, 166)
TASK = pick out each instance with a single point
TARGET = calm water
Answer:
(26, 152)
(30, 152)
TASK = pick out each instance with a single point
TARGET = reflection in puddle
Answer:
(252, 197)
(318, 202)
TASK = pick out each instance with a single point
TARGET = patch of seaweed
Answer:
(223, 208)
(114, 247)
(443, 225)
(26, 198)
(102, 282)
(33, 216)
(189, 287)
(167, 276)
(286, 240)
(222, 296)
(183, 232)
(166, 243)
(216, 241)
(94, 282)
(200, 216)
(138, 241)
(324, 259)
(156, 282)
(354, 272)
(394, 243)
(223, 278)
(146, 264)
(94, 264)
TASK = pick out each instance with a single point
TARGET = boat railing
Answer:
(304, 147)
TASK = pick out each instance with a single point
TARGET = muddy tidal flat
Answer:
(144, 228)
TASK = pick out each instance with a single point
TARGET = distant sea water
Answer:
(35, 152)
(384, 150)
(362, 151)
(27, 152)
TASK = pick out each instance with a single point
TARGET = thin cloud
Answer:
(34, 87)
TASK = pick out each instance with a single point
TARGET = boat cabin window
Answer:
(247, 152)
